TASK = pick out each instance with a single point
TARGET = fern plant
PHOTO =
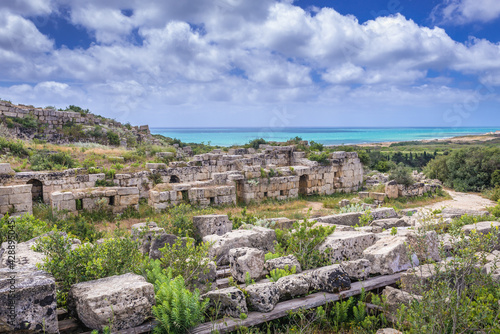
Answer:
(277, 273)
(177, 309)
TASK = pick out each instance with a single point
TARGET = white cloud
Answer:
(466, 11)
(234, 54)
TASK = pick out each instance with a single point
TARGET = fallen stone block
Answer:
(125, 299)
(481, 227)
(159, 241)
(211, 224)
(388, 331)
(357, 269)
(348, 219)
(418, 279)
(227, 302)
(347, 245)
(33, 302)
(262, 297)
(390, 255)
(329, 279)
(258, 237)
(281, 262)
(292, 286)
(390, 223)
(383, 213)
(246, 260)
(457, 213)
(395, 298)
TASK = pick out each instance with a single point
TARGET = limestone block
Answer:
(391, 189)
(383, 213)
(349, 219)
(281, 262)
(347, 245)
(390, 222)
(389, 255)
(357, 269)
(5, 169)
(331, 279)
(246, 260)
(228, 302)
(395, 298)
(481, 227)
(262, 297)
(127, 299)
(34, 301)
(292, 286)
(129, 200)
(211, 224)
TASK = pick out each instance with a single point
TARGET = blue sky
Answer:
(257, 63)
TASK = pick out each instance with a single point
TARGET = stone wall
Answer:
(15, 200)
(53, 120)
(117, 198)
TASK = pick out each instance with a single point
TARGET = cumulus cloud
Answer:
(225, 54)
(466, 11)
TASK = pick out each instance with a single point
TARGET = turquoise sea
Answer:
(326, 136)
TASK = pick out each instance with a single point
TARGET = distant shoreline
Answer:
(227, 137)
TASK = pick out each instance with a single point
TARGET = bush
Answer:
(177, 309)
(276, 274)
(256, 143)
(17, 148)
(495, 178)
(303, 241)
(87, 262)
(82, 111)
(401, 175)
(495, 211)
(179, 219)
(28, 121)
(321, 158)
(44, 160)
(467, 169)
(186, 259)
(25, 228)
(113, 138)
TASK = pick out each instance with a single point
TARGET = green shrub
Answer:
(352, 208)
(104, 183)
(177, 309)
(382, 166)
(28, 121)
(44, 160)
(184, 258)
(467, 169)
(366, 218)
(401, 175)
(78, 109)
(113, 138)
(322, 158)
(16, 148)
(256, 143)
(276, 274)
(303, 241)
(178, 219)
(495, 178)
(495, 211)
(25, 228)
(87, 262)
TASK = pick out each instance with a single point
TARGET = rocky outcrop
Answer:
(292, 286)
(390, 255)
(126, 300)
(357, 269)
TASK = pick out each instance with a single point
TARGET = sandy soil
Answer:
(463, 201)
(461, 139)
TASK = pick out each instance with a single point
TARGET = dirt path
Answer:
(316, 207)
(463, 201)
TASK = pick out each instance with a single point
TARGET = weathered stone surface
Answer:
(262, 297)
(347, 245)
(246, 260)
(211, 224)
(481, 227)
(329, 279)
(280, 262)
(159, 241)
(292, 286)
(457, 213)
(391, 189)
(5, 169)
(395, 298)
(388, 331)
(207, 280)
(145, 232)
(258, 237)
(348, 219)
(383, 213)
(418, 279)
(390, 222)
(34, 300)
(228, 302)
(357, 269)
(127, 299)
(390, 255)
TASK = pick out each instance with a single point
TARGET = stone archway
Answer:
(174, 179)
(36, 190)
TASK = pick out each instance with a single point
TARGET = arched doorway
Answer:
(174, 179)
(36, 190)
(303, 184)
